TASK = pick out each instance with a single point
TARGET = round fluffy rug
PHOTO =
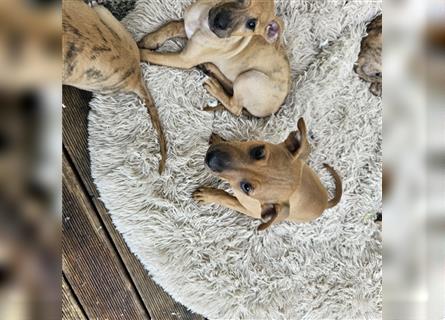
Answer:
(212, 259)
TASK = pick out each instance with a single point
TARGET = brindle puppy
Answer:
(101, 56)
(369, 63)
(271, 182)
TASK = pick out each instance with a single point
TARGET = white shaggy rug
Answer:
(212, 259)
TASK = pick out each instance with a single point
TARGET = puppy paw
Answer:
(213, 87)
(202, 195)
(219, 107)
(376, 89)
(148, 43)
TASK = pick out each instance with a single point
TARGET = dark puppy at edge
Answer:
(101, 56)
(271, 182)
(369, 63)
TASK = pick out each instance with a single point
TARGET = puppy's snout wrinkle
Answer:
(217, 160)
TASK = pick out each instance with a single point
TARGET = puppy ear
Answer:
(296, 142)
(268, 212)
(214, 138)
(274, 30)
(292, 142)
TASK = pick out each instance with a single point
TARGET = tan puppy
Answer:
(369, 63)
(270, 181)
(239, 40)
(101, 56)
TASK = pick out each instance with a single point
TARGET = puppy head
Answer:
(369, 63)
(244, 18)
(264, 171)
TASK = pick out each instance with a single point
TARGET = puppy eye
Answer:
(246, 187)
(251, 24)
(258, 153)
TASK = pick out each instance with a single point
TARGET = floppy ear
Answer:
(273, 31)
(296, 142)
(214, 138)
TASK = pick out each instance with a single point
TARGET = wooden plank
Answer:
(89, 261)
(158, 303)
(70, 308)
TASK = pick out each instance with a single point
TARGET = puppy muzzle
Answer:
(224, 18)
(217, 160)
(220, 20)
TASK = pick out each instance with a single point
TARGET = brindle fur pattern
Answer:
(369, 63)
(101, 56)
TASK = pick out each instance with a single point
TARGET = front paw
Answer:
(376, 89)
(148, 43)
(213, 87)
(202, 195)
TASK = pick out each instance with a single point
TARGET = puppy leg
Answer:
(212, 195)
(251, 90)
(190, 56)
(213, 71)
(169, 59)
(172, 29)
(229, 102)
(376, 89)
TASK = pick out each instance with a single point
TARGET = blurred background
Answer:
(414, 159)
(30, 159)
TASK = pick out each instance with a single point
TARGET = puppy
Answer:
(369, 63)
(239, 41)
(101, 56)
(271, 182)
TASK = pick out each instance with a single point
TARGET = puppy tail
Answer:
(148, 102)
(338, 186)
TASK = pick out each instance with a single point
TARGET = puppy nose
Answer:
(222, 20)
(217, 160)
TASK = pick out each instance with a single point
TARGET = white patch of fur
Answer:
(212, 259)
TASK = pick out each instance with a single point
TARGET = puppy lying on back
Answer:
(101, 56)
(239, 41)
(369, 63)
(271, 182)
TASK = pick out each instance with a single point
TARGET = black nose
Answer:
(222, 20)
(217, 160)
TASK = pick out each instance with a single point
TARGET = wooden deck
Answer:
(102, 279)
